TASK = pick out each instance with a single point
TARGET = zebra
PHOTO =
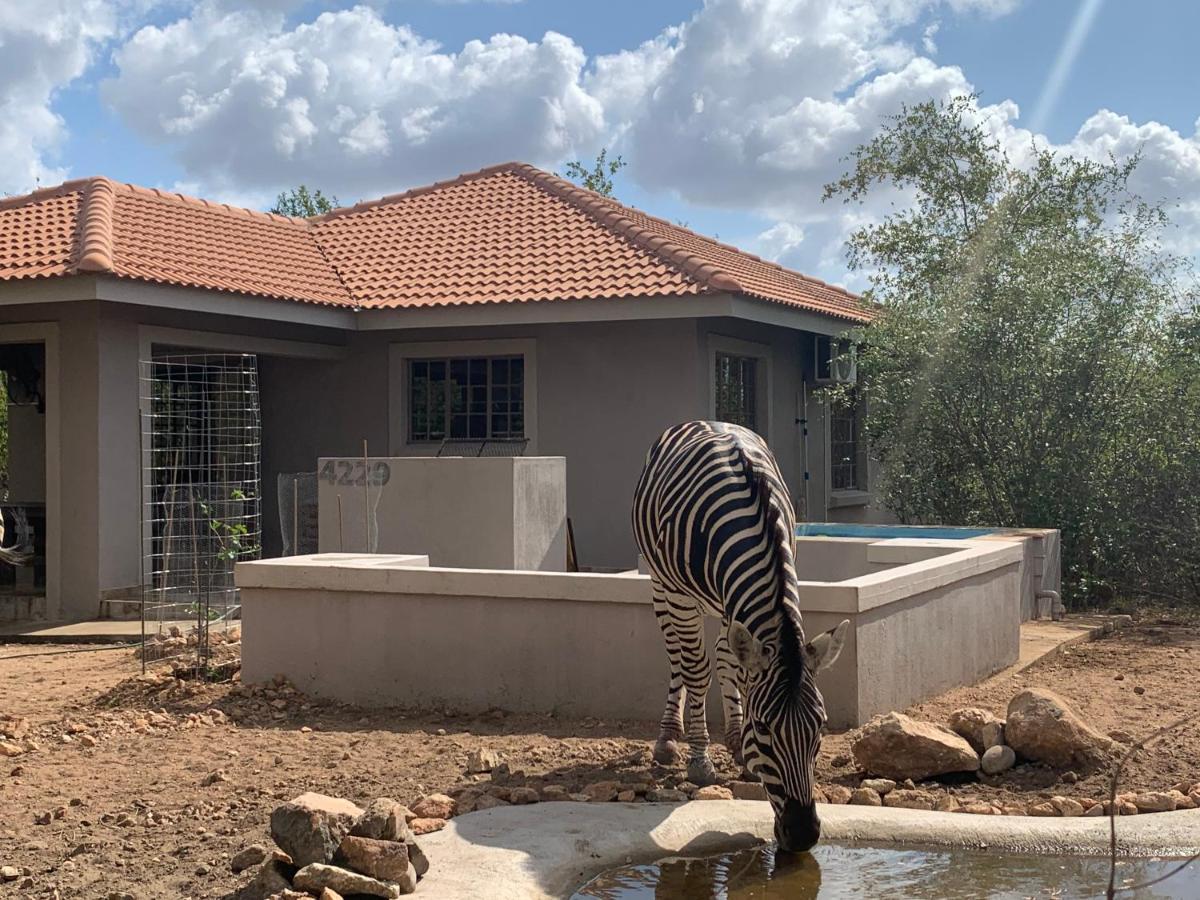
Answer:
(715, 524)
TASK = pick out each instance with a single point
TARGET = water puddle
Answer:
(833, 872)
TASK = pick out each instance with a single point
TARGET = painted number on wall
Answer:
(355, 473)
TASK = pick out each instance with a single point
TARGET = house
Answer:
(583, 328)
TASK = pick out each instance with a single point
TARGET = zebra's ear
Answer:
(749, 651)
(822, 651)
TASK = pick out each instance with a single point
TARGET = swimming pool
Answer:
(882, 532)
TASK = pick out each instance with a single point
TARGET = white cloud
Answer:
(244, 99)
(751, 105)
(44, 46)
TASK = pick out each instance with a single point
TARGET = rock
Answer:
(909, 799)
(1069, 777)
(555, 792)
(310, 827)
(384, 820)
(482, 761)
(9, 873)
(327, 894)
(1043, 809)
(818, 795)
(840, 761)
(602, 791)
(713, 792)
(1154, 801)
(271, 879)
(981, 729)
(627, 797)
(1122, 737)
(426, 825)
(87, 740)
(879, 785)
(1139, 690)
(946, 803)
(837, 794)
(579, 798)
(520, 796)
(1182, 800)
(998, 759)
(896, 746)
(316, 877)
(251, 856)
(385, 860)
(1041, 726)
(977, 808)
(215, 777)
(1066, 806)
(7, 748)
(863, 796)
(1096, 809)
(747, 790)
(435, 806)
(666, 795)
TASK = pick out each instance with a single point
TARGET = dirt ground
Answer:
(145, 788)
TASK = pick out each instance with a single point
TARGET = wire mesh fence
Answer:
(201, 437)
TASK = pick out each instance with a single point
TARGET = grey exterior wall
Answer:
(605, 390)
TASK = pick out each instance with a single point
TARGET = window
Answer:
(471, 398)
(844, 472)
(737, 390)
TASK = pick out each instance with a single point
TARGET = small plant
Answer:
(233, 537)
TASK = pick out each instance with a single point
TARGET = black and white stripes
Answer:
(714, 522)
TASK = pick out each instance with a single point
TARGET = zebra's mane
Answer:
(792, 630)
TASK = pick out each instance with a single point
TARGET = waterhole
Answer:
(832, 872)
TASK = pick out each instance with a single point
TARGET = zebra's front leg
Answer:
(688, 625)
(731, 697)
(670, 729)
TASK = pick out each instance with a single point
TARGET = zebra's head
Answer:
(784, 715)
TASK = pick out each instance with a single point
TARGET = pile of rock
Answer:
(1041, 727)
(174, 642)
(330, 848)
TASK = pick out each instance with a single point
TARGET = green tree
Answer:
(302, 204)
(1034, 360)
(599, 177)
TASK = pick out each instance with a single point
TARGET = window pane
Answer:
(499, 371)
(735, 389)
(843, 445)
(517, 370)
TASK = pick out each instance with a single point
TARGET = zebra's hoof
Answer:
(666, 753)
(701, 772)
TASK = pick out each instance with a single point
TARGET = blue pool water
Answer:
(841, 529)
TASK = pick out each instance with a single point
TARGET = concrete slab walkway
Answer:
(548, 850)
(97, 631)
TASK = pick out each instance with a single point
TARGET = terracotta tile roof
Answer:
(99, 226)
(509, 233)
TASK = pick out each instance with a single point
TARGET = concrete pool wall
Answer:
(378, 630)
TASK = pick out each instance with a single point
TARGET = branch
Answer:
(1112, 816)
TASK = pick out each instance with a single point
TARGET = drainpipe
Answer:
(802, 422)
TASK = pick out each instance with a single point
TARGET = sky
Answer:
(731, 114)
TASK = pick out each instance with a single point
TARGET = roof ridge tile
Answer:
(96, 227)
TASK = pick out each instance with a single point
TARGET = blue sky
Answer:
(732, 113)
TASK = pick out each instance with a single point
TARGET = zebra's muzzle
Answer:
(797, 827)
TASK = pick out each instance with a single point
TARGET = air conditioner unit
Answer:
(836, 360)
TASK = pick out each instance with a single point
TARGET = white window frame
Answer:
(719, 343)
(399, 357)
(861, 495)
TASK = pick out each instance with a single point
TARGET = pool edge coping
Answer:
(549, 850)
